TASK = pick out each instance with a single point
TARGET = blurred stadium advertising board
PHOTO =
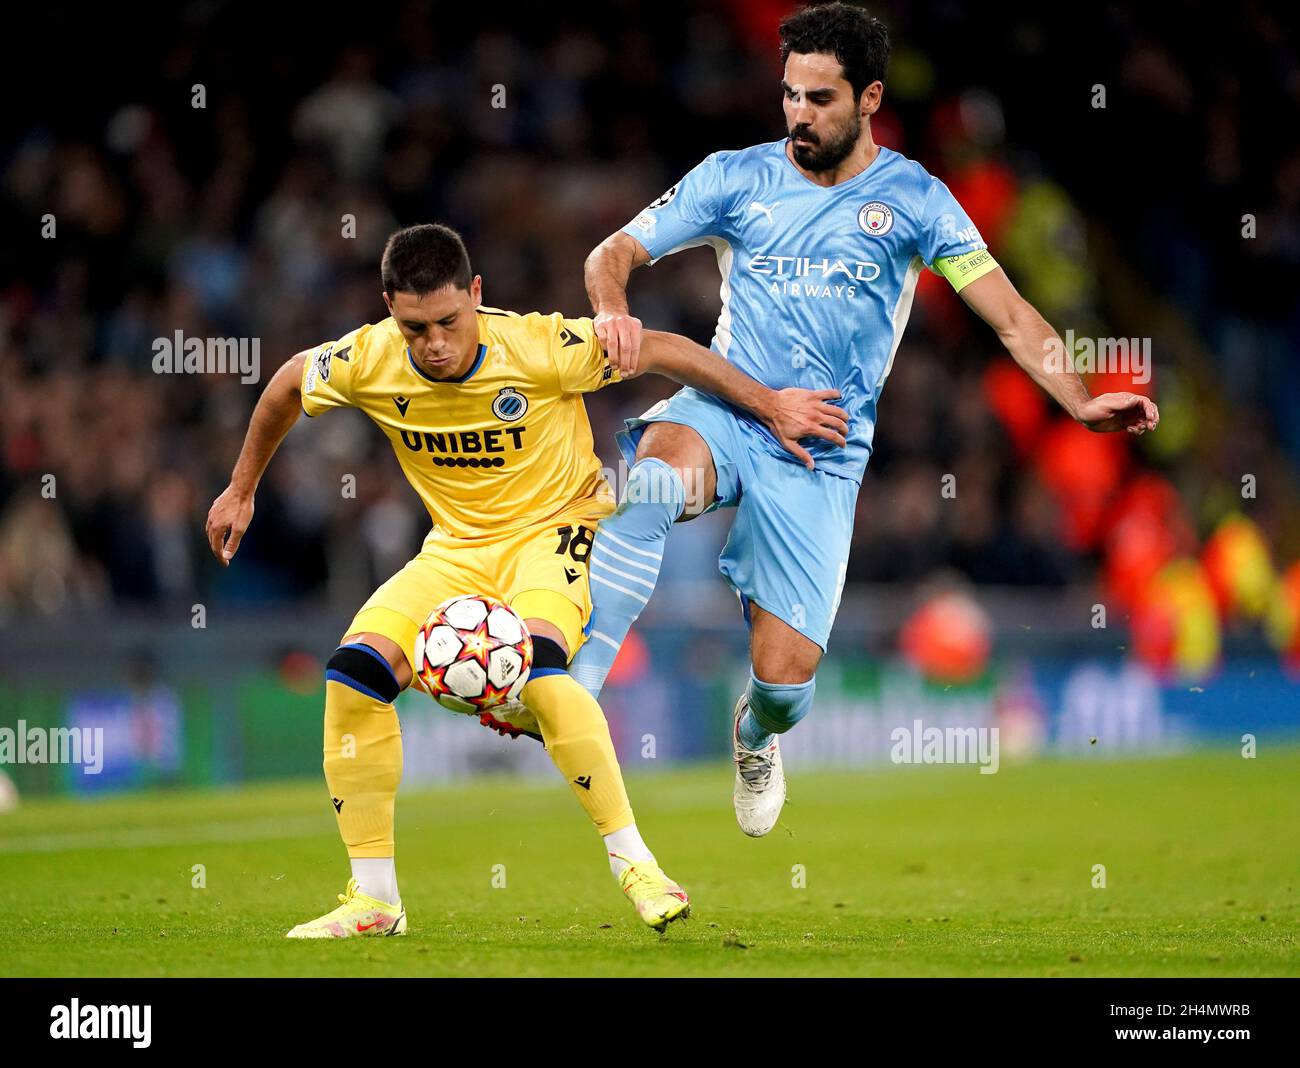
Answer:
(260, 724)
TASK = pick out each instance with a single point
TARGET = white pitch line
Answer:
(157, 837)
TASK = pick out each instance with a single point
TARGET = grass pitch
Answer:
(893, 871)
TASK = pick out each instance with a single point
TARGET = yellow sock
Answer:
(577, 737)
(363, 766)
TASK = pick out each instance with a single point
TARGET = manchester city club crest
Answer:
(509, 405)
(876, 218)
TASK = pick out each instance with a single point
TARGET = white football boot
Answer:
(759, 793)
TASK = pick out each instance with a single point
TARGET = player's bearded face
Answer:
(822, 114)
(441, 327)
(827, 147)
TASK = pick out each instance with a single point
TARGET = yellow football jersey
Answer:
(505, 446)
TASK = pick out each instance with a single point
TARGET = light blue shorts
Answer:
(789, 544)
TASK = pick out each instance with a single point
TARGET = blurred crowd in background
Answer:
(228, 220)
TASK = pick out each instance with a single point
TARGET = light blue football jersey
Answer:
(817, 282)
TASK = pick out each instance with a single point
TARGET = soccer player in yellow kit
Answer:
(484, 411)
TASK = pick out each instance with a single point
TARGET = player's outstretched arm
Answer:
(790, 414)
(606, 274)
(277, 410)
(1032, 342)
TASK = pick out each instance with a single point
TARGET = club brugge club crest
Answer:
(509, 405)
(876, 218)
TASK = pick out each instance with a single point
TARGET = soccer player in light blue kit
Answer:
(820, 240)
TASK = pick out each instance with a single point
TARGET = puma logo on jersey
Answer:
(763, 209)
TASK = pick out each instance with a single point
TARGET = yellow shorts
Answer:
(541, 572)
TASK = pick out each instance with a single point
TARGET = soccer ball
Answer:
(473, 654)
(8, 793)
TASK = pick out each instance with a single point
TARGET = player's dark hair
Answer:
(425, 258)
(859, 41)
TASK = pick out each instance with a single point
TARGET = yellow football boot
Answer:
(657, 899)
(356, 916)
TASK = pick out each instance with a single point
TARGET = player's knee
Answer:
(390, 650)
(544, 631)
(361, 667)
(779, 706)
(549, 658)
(675, 443)
(788, 664)
(684, 450)
(653, 498)
(778, 652)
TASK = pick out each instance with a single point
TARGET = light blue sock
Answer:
(773, 709)
(624, 565)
